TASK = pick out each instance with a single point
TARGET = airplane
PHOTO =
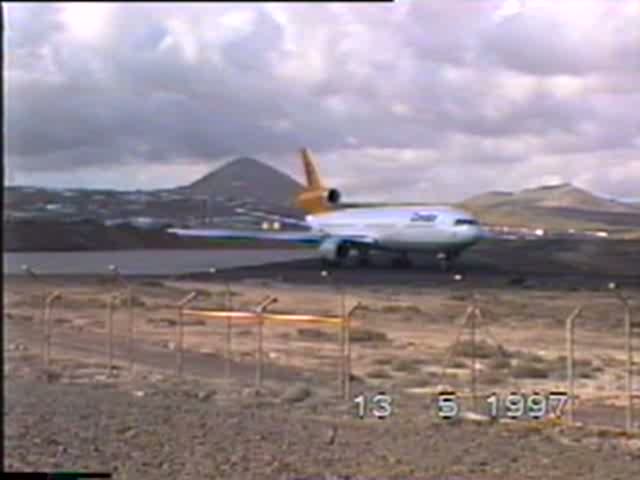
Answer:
(443, 231)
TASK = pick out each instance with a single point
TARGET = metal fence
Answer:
(115, 303)
(474, 323)
(120, 338)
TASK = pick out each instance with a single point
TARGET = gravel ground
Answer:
(155, 427)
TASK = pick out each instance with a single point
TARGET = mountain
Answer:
(563, 195)
(247, 178)
(553, 206)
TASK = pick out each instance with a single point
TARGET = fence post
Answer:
(47, 333)
(347, 375)
(48, 305)
(131, 329)
(343, 370)
(342, 367)
(43, 330)
(628, 332)
(180, 331)
(347, 345)
(570, 330)
(180, 341)
(110, 307)
(269, 300)
(260, 352)
(227, 360)
(474, 361)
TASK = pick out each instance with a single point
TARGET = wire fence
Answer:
(487, 359)
(113, 331)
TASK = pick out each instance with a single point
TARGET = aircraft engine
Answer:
(332, 196)
(334, 250)
(318, 200)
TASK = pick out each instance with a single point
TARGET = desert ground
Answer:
(142, 420)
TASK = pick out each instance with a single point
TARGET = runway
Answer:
(145, 262)
(541, 264)
(544, 264)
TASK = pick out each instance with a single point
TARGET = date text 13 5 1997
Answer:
(514, 406)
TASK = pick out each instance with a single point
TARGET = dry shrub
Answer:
(401, 309)
(583, 367)
(457, 363)
(483, 349)
(416, 381)
(151, 283)
(491, 378)
(378, 373)
(525, 369)
(162, 322)
(316, 334)
(361, 334)
(499, 363)
(21, 317)
(382, 360)
(407, 365)
(459, 297)
(193, 322)
(62, 321)
(529, 357)
(136, 301)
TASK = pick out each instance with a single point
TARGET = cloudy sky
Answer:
(417, 100)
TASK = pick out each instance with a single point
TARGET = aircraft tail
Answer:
(315, 198)
(310, 171)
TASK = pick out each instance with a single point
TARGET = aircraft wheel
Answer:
(445, 265)
(445, 260)
(364, 260)
(402, 261)
(330, 263)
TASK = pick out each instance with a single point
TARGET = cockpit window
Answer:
(465, 221)
(423, 217)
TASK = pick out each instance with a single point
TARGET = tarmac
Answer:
(542, 265)
(144, 262)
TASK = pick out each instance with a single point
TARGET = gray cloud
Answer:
(436, 88)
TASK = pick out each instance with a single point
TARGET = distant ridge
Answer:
(553, 206)
(246, 177)
(564, 195)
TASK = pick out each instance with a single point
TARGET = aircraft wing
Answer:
(307, 238)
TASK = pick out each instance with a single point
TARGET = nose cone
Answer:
(475, 233)
(481, 233)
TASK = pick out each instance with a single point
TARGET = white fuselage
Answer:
(419, 229)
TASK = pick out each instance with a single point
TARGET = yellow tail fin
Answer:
(313, 199)
(313, 179)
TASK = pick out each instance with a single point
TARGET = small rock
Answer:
(205, 395)
(52, 376)
(331, 435)
(138, 393)
(297, 393)
(18, 347)
(250, 392)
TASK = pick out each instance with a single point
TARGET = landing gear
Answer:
(330, 263)
(446, 261)
(402, 261)
(339, 256)
(364, 260)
